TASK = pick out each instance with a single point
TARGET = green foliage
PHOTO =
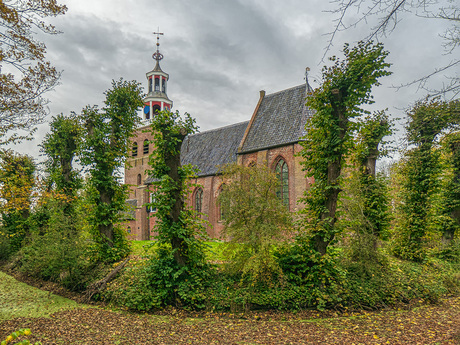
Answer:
(61, 146)
(420, 181)
(17, 182)
(178, 270)
(449, 203)
(346, 86)
(55, 251)
(255, 221)
(305, 268)
(104, 150)
(365, 199)
(15, 335)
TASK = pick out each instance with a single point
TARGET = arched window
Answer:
(198, 202)
(157, 84)
(164, 85)
(139, 179)
(134, 152)
(282, 172)
(156, 108)
(150, 84)
(146, 146)
(220, 209)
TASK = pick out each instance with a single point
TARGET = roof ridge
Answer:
(219, 128)
(291, 88)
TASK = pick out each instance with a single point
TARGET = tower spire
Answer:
(156, 99)
(157, 55)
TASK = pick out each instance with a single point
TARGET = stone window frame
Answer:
(283, 177)
(219, 210)
(198, 199)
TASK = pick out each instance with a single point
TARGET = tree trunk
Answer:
(333, 173)
(178, 244)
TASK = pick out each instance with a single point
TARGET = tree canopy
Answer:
(25, 75)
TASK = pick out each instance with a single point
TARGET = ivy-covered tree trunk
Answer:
(427, 119)
(104, 151)
(346, 86)
(61, 146)
(372, 192)
(178, 271)
(451, 197)
(172, 162)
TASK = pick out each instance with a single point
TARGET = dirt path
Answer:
(436, 324)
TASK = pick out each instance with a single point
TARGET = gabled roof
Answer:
(279, 120)
(211, 149)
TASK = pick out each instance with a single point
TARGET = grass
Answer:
(213, 249)
(21, 300)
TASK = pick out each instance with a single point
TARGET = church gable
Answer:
(211, 149)
(279, 120)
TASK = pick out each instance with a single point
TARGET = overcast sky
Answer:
(220, 53)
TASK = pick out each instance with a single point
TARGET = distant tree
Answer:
(27, 76)
(346, 87)
(104, 150)
(255, 221)
(366, 206)
(451, 191)
(17, 182)
(61, 147)
(427, 119)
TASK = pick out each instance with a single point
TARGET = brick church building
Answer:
(271, 136)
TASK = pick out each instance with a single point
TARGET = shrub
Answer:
(55, 251)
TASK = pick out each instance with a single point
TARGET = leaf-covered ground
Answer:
(432, 324)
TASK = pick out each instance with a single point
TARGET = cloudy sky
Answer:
(220, 53)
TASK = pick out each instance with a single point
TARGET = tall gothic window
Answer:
(157, 84)
(150, 84)
(220, 209)
(134, 152)
(282, 172)
(198, 200)
(139, 179)
(146, 146)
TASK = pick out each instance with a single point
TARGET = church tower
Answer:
(156, 98)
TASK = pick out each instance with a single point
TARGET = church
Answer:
(270, 136)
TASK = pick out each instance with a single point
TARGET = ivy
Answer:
(178, 271)
(367, 200)
(104, 151)
(426, 120)
(346, 87)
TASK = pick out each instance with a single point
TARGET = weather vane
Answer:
(157, 55)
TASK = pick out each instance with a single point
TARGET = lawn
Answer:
(21, 300)
(213, 249)
(56, 320)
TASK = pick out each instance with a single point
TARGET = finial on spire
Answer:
(306, 79)
(157, 55)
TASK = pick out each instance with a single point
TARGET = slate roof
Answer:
(280, 120)
(211, 149)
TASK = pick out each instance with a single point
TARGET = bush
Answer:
(309, 272)
(56, 251)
